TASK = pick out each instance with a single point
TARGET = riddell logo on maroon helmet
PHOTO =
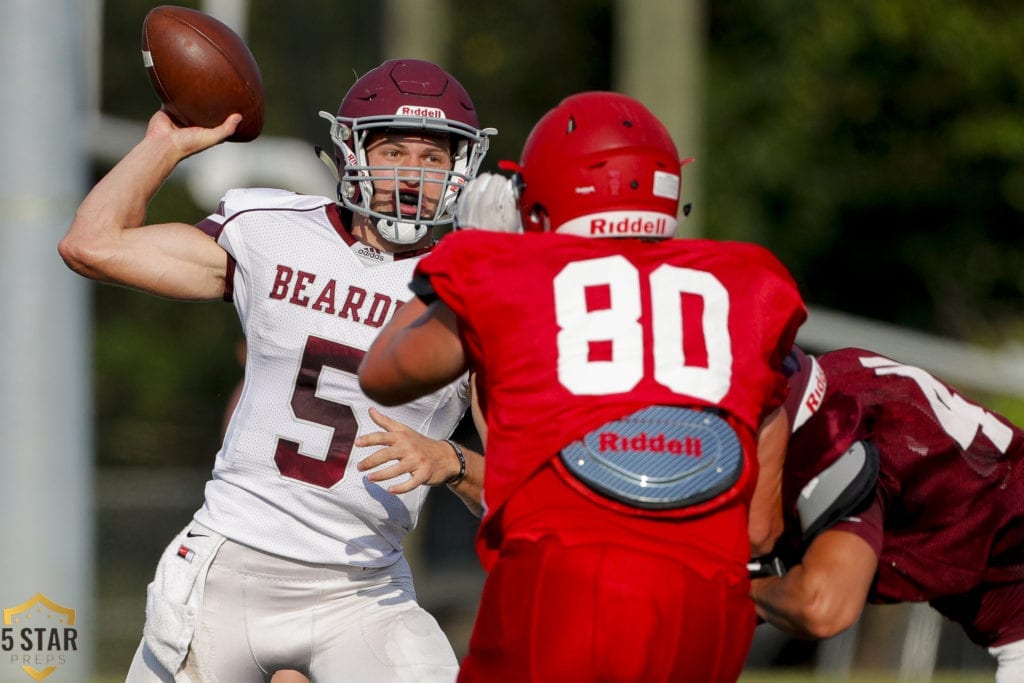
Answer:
(815, 390)
(811, 395)
(427, 112)
(629, 226)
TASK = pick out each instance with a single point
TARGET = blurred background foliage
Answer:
(876, 146)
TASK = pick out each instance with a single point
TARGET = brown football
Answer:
(202, 70)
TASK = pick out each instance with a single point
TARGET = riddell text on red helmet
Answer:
(629, 226)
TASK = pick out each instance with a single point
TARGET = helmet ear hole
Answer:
(601, 164)
(538, 216)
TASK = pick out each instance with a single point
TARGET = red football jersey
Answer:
(568, 333)
(948, 516)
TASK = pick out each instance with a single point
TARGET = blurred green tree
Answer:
(877, 147)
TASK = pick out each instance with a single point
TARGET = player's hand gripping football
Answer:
(488, 202)
(426, 461)
(186, 141)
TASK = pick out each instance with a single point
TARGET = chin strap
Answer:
(331, 165)
(400, 232)
(328, 161)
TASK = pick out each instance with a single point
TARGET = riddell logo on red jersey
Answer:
(642, 442)
(427, 112)
(629, 226)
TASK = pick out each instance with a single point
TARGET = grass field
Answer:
(782, 676)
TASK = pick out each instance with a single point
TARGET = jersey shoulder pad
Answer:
(842, 489)
(247, 199)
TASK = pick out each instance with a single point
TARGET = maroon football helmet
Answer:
(405, 94)
(600, 164)
(807, 385)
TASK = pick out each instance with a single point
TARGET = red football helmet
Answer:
(405, 94)
(600, 164)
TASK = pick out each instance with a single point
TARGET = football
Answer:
(202, 70)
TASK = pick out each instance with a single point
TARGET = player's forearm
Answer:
(116, 203)
(780, 601)
(413, 355)
(766, 519)
(805, 605)
(119, 200)
(105, 241)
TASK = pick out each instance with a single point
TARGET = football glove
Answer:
(488, 202)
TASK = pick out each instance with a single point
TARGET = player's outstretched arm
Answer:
(417, 352)
(107, 240)
(824, 594)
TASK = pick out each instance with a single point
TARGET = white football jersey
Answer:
(311, 300)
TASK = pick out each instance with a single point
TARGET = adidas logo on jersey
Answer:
(370, 252)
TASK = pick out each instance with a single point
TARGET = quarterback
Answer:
(295, 560)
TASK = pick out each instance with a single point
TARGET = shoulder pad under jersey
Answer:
(247, 199)
(841, 489)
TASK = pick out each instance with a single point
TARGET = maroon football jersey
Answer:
(948, 514)
(568, 333)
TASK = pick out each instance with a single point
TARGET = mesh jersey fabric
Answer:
(947, 519)
(284, 481)
(539, 311)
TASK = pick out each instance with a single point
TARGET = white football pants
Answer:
(256, 613)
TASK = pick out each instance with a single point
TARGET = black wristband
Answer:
(462, 463)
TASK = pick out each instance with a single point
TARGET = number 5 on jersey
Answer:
(306, 405)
